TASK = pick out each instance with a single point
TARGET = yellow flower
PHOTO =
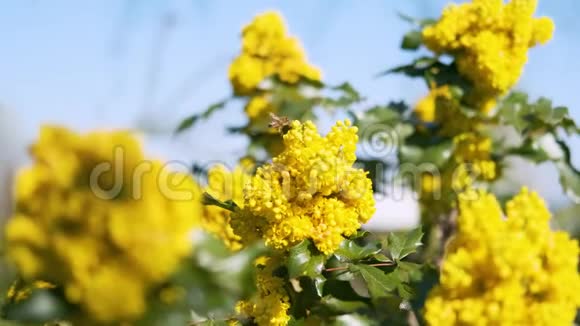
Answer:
(440, 107)
(267, 51)
(426, 108)
(97, 219)
(258, 107)
(489, 40)
(309, 191)
(508, 271)
(271, 303)
(472, 155)
(225, 185)
(430, 183)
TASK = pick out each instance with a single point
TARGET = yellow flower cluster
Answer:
(426, 108)
(259, 107)
(506, 271)
(269, 307)
(470, 162)
(310, 191)
(489, 40)
(439, 106)
(268, 50)
(97, 219)
(473, 159)
(225, 185)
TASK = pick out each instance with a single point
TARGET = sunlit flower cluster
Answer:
(310, 191)
(268, 51)
(489, 40)
(506, 270)
(270, 304)
(104, 238)
(225, 185)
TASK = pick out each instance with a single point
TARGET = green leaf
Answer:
(398, 106)
(342, 290)
(190, 121)
(416, 21)
(348, 96)
(305, 260)
(312, 289)
(409, 271)
(402, 244)
(570, 180)
(411, 154)
(559, 114)
(378, 283)
(543, 109)
(383, 127)
(319, 282)
(532, 118)
(389, 312)
(377, 115)
(437, 154)
(531, 151)
(311, 82)
(209, 200)
(351, 250)
(382, 258)
(337, 306)
(291, 103)
(187, 123)
(416, 69)
(348, 90)
(405, 291)
(412, 40)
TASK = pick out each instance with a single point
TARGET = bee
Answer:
(279, 123)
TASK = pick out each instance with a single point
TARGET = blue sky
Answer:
(111, 63)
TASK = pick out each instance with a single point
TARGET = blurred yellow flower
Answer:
(268, 50)
(18, 292)
(97, 219)
(430, 183)
(490, 41)
(310, 191)
(258, 107)
(225, 185)
(441, 107)
(271, 303)
(472, 155)
(426, 108)
(506, 271)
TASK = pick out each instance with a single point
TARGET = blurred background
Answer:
(145, 65)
